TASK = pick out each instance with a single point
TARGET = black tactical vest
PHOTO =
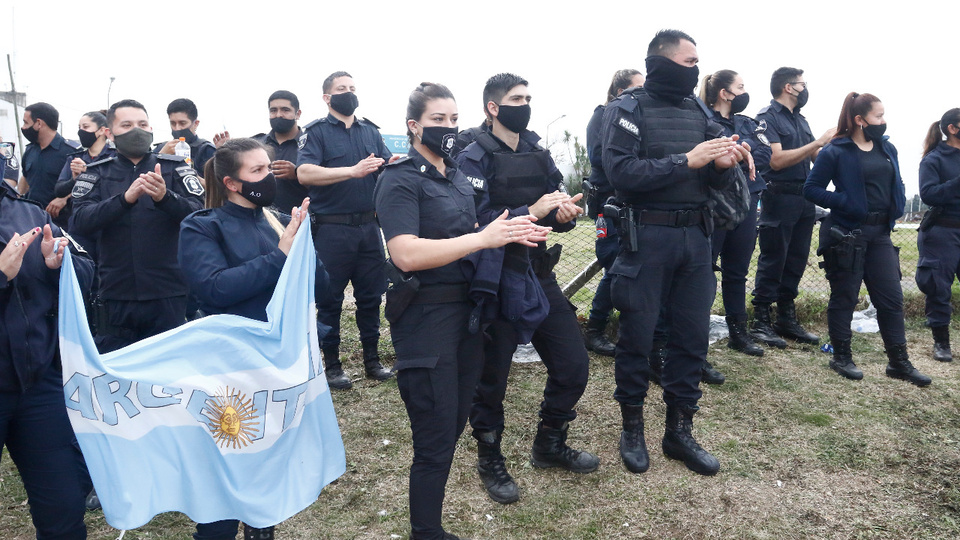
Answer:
(519, 178)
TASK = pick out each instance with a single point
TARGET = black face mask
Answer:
(874, 132)
(514, 117)
(345, 103)
(188, 136)
(282, 125)
(802, 97)
(669, 80)
(31, 134)
(439, 140)
(87, 138)
(957, 134)
(134, 143)
(260, 193)
(739, 103)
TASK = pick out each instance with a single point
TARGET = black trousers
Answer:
(735, 249)
(438, 365)
(131, 320)
(672, 268)
(785, 227)
(939, 265)
(559, 343)
(881, 274)
(350, 254)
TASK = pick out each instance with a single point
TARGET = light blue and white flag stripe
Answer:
(222, 418)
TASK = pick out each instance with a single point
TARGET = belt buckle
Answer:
(682, 218)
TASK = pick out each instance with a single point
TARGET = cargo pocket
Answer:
(770, 238)
(415, 381)
(624, 285)
(927, 275)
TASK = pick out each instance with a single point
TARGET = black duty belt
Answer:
(785, 188)
(442, 294)
(671, 218)
(876, 218)
(950, 223)
(360, 218)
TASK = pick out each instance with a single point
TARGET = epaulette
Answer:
(102, 161)
(628, 99)
(367, 120)
(171, 157)
(73, 144)
(403, 159)
(763, 110)
(203, 212)
(207, 143)
(317, 121)
(77, 152)
(473, 151)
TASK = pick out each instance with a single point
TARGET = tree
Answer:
(576, 155)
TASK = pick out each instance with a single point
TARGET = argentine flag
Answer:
(222, 418)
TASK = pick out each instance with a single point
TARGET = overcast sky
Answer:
(229, 56)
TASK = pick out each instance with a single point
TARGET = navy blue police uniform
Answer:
(735, 247)
(345, 230)
(141, 288)
(42, 166)
(33, 421)
(786, 219)
(467, 136)
(512, 180)
(665, 230)
(867, 200)
(64, 188)
(438, 359)
(939, 243)
(231, 263)
(290, 192)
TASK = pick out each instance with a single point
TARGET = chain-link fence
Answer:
(578, 254)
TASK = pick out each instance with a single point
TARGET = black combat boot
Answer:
(762, 329)
(371, 362)
(595, 339)
(658, 356)
(788, 326)
(842, 361)
(740, 340)
(710, 375)
(492, 468)
(633, 447)
(336, 378)
(550, 450)
(679, 444)
(899, 366)
(252, 533)
(941, 344)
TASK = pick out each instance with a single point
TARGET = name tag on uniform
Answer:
(478, 183)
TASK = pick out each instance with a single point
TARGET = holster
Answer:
(544, 264)
(595, 199)
(629, 226)
(844, 256)
(930, 217)
(401, 290)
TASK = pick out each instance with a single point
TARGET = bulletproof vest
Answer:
(519, 178)
(672, 130)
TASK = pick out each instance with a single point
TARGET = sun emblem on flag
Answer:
(231, 418)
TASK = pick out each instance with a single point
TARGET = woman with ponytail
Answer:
(724, 93)
(855, 238)
(232, 253)
(939, 238)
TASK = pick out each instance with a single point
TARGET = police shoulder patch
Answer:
(761, 132)
(302, 140)
(76, 245)
(628, 126)
(84, 184)
(477, 182)
(193, 185)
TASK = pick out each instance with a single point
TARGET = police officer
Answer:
(284, 109)
(133, 203)
(724, 93)
(512, 172)
(467, 136)
(33, 422)
(340, 156)
(44, 157)
(939, 238)
(426, 209)
(786, 219)
(182, 113)
(598, 189)
(662, 155)
(855, 238)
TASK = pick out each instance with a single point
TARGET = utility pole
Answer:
(16, 110)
